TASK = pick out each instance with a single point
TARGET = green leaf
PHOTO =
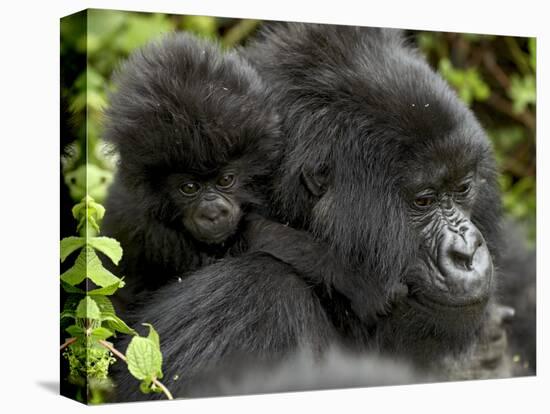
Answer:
(145, 385)
(88, 309)
(468, 82)
(105, 306)
(71, 289)
(522, 91)
(98, 274)
(202, 25)
(118, 325)
(75, 331)
(68, 314)
(70, 305)
(101, 333)
(105, 291)
(153, 336)
(141, 29)
(77, 273)
(108, 246)
(69, 245)
(88, 264)
(109, 317)
(144, 358)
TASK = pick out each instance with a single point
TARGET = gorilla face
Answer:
(211, 211)
(455, 269)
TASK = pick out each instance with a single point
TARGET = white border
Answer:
(29, 125)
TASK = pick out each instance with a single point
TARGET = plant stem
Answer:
(67, 343)
(121, 356)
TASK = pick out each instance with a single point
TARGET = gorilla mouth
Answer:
(428, 302)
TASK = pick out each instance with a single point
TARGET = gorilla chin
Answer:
(212, 232)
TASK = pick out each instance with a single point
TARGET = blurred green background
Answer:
(494, 75)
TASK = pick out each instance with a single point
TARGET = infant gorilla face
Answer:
(211, 211)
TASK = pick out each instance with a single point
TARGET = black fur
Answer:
(518, 290)
(180, 106)
(363, 115)
(363, 104)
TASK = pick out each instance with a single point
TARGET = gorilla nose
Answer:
(465, 263)
(214, 212)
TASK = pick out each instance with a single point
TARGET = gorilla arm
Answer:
(313, 260)
(251, 308)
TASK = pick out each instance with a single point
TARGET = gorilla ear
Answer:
(315, 180)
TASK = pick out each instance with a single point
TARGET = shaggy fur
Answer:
(180, 106)
(364, 105)
(363, 112)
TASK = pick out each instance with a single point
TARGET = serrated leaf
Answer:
(144, 358)
(107, 290)
(71, 289)
(105, 306)
(77, 273)
(75, 331)
(153, 335)
(87, 264)
(70, 244)
(101, 333)
(118, 325)
(108, 246)
(109, 317)
(69, 307)
(88, 309)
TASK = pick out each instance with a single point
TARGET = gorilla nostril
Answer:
(462, 260)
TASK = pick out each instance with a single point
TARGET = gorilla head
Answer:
(389, 167)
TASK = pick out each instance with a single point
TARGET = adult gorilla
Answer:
(384, 164)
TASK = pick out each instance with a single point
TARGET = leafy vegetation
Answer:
(92, 317)
(494, 75)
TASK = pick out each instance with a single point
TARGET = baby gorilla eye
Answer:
(190, 188)
(226, 180)
(424, 201)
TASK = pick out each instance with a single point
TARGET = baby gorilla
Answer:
(197, 143)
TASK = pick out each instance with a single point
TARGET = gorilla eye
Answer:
(190, 188)
(463, 188)
(226, 180)
(424, 201)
